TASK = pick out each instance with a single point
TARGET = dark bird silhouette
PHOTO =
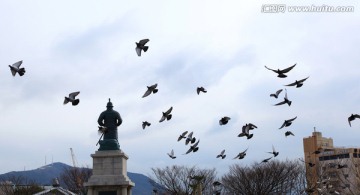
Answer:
(266, 160)
(141, 46)
(145, 123)
(166, 115)
(287, 133)
(200, 89)
(171, 154)
(281, 73)
(224, 120)
(309, 163)
(241, 155)
(182, 136)
(150, 89)
(15, 68)
(298, 83)
(72, 99)
(190, 139)
(193, 148)
(276, 94)
(287, 122)
(245, 131)
(286, 100)
(353, 117)
(222, 155)
(274, 151)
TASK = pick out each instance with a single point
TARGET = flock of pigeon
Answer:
(140, 46)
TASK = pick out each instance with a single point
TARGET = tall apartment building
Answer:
(331, 169)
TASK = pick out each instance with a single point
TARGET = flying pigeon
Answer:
(190, 138)
(171, 154)
(182, 135)
(287, 133)
(281, 73)
(266, 160)
(222, 155)
(166, 115)
(353, 117)
(286, 100)
(193, 148)
(150, 89)
(276, 94)
(287, 122)
(224, 120)
(15, 68)
(241, 155)
(309, 163)
(141, 46)
(246, 129)
(145, 123)
(298, 83)
(274, 152)
(200, 89)
(72, 99)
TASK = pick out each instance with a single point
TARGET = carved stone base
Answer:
(109, 175)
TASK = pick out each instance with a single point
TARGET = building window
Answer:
(346, 176)
(355, 155)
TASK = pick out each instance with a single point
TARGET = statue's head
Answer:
(109, 105)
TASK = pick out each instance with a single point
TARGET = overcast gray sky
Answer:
(89, 46)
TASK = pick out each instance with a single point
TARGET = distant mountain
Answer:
(45, 174)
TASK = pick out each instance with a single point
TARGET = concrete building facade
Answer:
(331, 169)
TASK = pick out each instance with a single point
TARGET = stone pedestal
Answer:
(109, 175)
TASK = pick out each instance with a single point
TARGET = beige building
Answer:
(331, 169)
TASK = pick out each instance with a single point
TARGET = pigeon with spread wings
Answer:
(72, 99)
(166, 115)
(171, 154)
(145, 124)
(276, 94)
(15, 68)
(193, 148)
(241, 155)
(182, 136)
(281, 73)
(287, 133)
(274, 152)
(298, 83)
(150, 89)
(200, 89)
(287, 122)
(141, 46)
(222, 155)
(353, 117)
(286, 100)
(190, 138)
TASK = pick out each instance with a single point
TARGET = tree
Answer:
(14, 185)
(274, 177)
(74, 178)
(181, 180)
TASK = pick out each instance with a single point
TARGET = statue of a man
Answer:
(110, 119)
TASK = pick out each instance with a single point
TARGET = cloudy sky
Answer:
(89, 46)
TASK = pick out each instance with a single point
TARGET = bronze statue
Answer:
(110, 119)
